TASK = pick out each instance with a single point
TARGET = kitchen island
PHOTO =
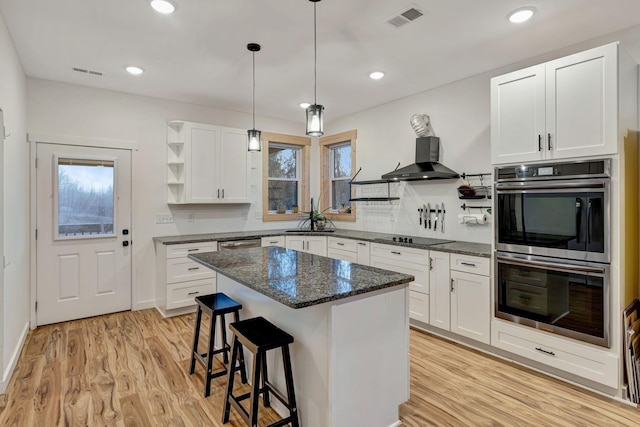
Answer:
(350, 323)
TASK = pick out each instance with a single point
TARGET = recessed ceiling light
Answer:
(521, 15)
(132, 69)
(305, 105)
(376, 75)
(163, 6)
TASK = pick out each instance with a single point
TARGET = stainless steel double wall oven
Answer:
(552, 232)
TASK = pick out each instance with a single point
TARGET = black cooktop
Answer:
(423, 241)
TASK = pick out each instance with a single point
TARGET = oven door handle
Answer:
(506, 187)
(568, 268)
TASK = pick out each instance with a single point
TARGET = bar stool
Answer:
(260, 336)
(215, 305)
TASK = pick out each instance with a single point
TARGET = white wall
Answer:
(460, 116)
(65, 109)
(14, 309)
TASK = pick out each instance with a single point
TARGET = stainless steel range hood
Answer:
(426, 166)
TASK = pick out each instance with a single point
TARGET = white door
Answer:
(440, 290)
(83, 220)
(234, 176)
(471, 306)
(202, 170)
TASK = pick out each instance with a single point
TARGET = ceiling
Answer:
(198, 54)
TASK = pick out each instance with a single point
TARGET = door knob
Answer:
(125, 243)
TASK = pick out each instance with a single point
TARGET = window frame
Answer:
(304, 144)
(326, 143)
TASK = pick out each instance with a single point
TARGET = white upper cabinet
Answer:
(206, 164)
(561, 109)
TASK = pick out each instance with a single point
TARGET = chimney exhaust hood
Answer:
(426, 166)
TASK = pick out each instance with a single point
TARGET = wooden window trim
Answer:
(326, 143)
(305, 144)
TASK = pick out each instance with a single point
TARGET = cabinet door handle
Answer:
(549, 141)
(467, 264)
(430, 263)
(223, 193)
(218, 193)
(397, 253)
(194, 293)
(193, 250)
(339, 244)
(362, 244)
(273, 242)
(451, 285)
(550, 353)
(194, 268)
(539, 142)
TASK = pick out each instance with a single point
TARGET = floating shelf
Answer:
(374, 199)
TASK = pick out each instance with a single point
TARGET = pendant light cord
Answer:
(254, 90)
(315, 57)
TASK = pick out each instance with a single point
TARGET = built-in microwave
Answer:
(559, 210)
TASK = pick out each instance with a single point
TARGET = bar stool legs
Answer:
(216, 305)
(260, 336)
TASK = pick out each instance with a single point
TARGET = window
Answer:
(84, 198)
(338, 165)
(285, 176)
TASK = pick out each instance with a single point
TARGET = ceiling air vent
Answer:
(406, 15)
(85, 71)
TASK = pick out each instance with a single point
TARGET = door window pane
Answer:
(85, 198)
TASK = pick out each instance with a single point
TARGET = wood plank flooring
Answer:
(131, 369)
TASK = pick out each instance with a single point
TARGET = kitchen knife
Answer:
(435, 222)
(442, 218)
(427, 217)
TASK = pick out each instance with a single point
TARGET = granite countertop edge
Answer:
(458, 247)
(308, 302)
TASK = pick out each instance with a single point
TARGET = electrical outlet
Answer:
(191, 216)
(164, 218)
(258, 214)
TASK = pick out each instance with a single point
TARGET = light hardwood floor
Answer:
(131, 369)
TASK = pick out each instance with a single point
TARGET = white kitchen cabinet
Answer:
(179, 280)
(206, 164)
(408, 261)
(440, 290)
(460, 295)
(561, 109)
(316, 245)
(273, 241)
(348, 250)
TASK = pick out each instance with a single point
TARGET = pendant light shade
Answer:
(315, 112)
(315, 117)
(255, 143)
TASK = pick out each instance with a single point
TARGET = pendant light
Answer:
(315, 112)
(254, 135)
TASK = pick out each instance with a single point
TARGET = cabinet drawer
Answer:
(182, 269)
(273, 241)
(417, 256)
(420, 272)
(182, 294)
(419, 306)
(567, 355)
(471, 264)
(182, 250)
(343, 244)
(342, 254)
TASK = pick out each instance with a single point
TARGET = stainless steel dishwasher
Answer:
(239, 244)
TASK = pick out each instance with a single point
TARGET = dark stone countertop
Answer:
(298, 279)
(458, 247)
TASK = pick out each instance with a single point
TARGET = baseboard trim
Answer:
(143, 305)
(6, 377)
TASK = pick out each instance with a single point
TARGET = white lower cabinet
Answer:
(179, 280)
(408, 261)
(595, 364)
(348, 250)
(316, 245)
(460, 298)
(273, 241)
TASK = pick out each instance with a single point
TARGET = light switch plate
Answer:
(164, 218)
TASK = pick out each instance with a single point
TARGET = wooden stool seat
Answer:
(259, 335)
(215, 305)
